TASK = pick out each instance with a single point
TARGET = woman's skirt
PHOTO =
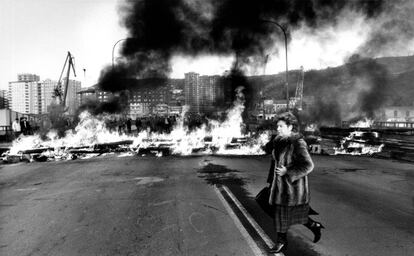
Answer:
(286, 216)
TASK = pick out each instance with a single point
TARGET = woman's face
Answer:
(283, 129)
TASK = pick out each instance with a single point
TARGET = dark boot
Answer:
(315, 227)
(280, 243)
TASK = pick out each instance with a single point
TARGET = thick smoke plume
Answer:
(160, 29)
(372, 83)
(351, 92)
(391, 31)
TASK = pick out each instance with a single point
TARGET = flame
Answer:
(214, 137)
(366, 123)
(354, 144)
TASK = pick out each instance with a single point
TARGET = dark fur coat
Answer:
(292, 188)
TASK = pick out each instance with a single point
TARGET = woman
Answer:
(289, 190)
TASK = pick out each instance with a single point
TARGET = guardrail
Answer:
(383, 124)
(403, 125)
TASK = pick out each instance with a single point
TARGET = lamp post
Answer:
(287, 71)
(113, 49)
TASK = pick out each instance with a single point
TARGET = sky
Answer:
(36, 35)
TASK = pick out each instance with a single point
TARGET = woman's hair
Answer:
(289, 119)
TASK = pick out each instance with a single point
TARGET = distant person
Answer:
(138, 124)
(289, 189)
(121, 126)
(129, 125)
(25, 126)
(16, 127)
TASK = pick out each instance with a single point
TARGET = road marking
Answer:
(256, 250)
(190, 219)
(256, 226)
(26, 189)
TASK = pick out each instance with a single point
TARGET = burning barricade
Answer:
(92, 138)
(360, 143)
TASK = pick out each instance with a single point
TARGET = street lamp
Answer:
(287, 71)
(113, 49)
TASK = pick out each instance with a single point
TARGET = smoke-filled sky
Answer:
(178, 36)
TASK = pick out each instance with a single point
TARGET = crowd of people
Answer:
(21, 126)
(157, 124)
(122, 125)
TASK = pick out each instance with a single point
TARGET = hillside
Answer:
(394, 76)
(350, 91)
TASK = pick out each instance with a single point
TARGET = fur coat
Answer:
(292, 188)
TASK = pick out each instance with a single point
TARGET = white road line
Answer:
(256, 250)
(256, 226)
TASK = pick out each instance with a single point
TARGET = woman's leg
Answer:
(281, 242)
(315, 227)
(282, 237)
(281, 230)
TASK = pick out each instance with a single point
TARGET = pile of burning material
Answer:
(91, 138)
(117, 146)
(43, 154)
(157, 146)
(360, 143)
(164, 147)
(365, 123)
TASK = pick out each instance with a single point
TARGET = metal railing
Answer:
(384, 125)
(404, 125)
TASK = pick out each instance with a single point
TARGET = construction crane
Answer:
(299, 90)
(58, 92)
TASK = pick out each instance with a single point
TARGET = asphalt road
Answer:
(169, 206)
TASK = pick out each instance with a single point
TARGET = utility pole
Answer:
(287, 71)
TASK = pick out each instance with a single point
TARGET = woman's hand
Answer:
(281, 170)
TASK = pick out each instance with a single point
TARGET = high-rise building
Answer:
(30, 96)
(4, 102)
(202, 92)
(25, 94)
(191, 91)
(48, 92)
(209, 91)
(148, 99)
(28, 78)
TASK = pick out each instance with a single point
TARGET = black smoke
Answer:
(391, 31)
(115, 104)
(350, 92)
(374, 79)
(161, 29)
